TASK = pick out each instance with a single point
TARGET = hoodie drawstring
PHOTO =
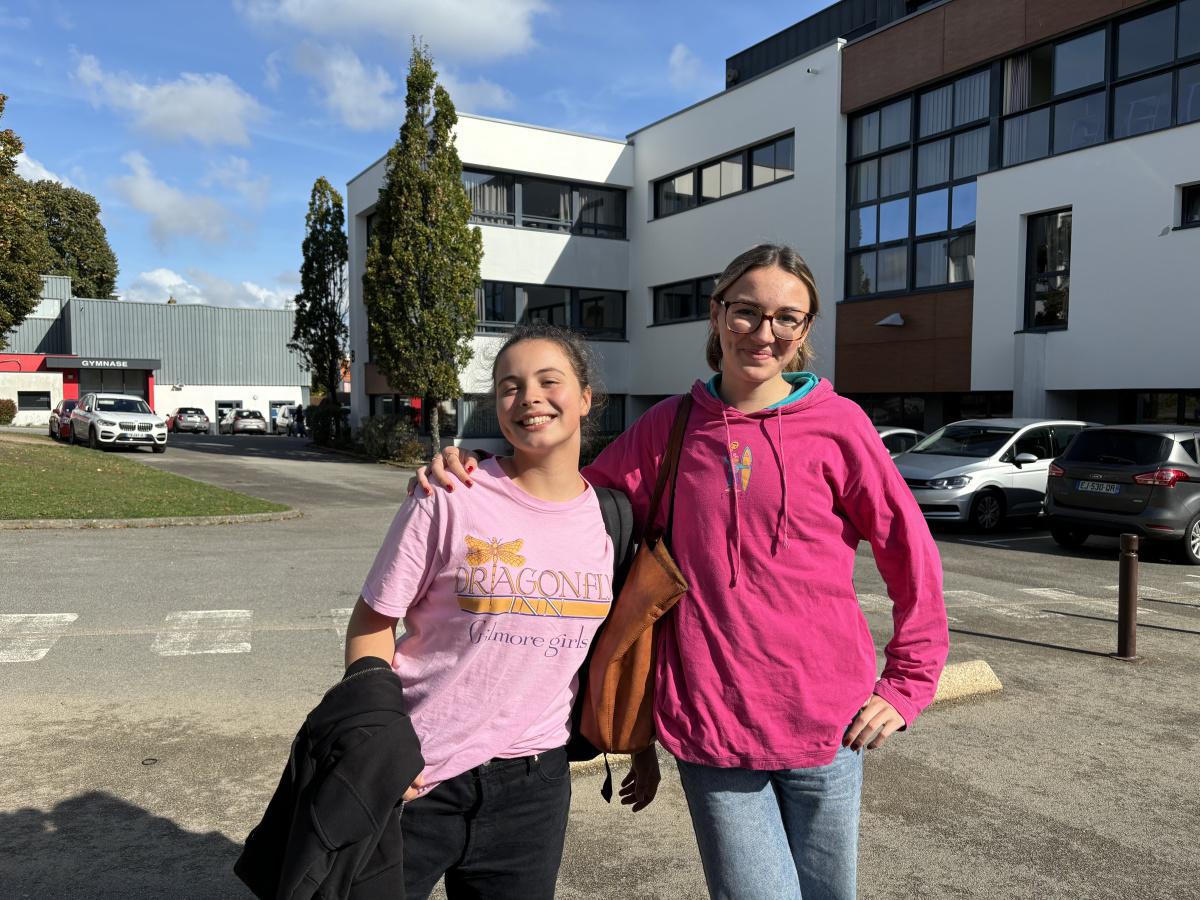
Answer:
(783, 475)
(737, 508)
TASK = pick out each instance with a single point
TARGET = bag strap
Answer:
(667, 469)
(617, 512)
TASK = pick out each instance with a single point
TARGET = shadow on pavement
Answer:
(1015, 640)
(253, 446)
(1035, 538)
(99, 846)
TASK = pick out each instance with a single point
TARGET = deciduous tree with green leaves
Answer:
(78, 239)
(25, 253)
(423, 261)
(319, 333)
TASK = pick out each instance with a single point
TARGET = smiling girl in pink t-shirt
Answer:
(501, 589)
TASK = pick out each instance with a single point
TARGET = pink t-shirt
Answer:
(501, 594)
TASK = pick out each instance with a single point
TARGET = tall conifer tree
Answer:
(319, 333)
(25, 253)
(423, 261)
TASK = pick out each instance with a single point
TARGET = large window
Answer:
(33, 400)
(912, 199)
(1190, 212)
(599, 314)
(732, 173)
(683, 301)
(492, 198)
(1132, 76)
(498, 198)
(1049, 268)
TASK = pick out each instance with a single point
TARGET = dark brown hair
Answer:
(764, 256)
(575, 347)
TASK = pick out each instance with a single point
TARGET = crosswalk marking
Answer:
(1145, 591)
(1051, 593)
(876, 602)
(27, 637)
(973, 597)
(341, 618)
(204, 631)
(1019, 612)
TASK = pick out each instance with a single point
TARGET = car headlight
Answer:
(949, 484)
(106, 423)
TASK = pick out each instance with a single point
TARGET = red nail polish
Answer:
(450, 488)
(470, 469)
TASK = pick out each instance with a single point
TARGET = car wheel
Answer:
(93, 440)
(53, 435)
(1068, 538)
(987, 512)
(160, 448)
(1189, 548)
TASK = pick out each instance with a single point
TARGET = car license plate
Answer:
(1099, 487)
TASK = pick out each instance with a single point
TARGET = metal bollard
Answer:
(1127, 599)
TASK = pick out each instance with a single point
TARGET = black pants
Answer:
(496, 832)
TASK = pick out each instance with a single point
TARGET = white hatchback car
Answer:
(117, 420)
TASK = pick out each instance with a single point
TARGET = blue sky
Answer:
(201, 126)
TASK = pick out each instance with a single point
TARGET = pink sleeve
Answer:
(408, 560)
(630, 462)
(882, 509)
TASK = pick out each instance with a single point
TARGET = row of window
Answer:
(600, 314)
(733, 173)
(500, 198)
(911, 200)
(477, 416)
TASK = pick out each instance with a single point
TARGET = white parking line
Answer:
(27, 637)
(204, 631)
(1145, 591)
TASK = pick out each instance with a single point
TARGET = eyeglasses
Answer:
(745, 318)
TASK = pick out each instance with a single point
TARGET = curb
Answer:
(410, 467)
(967, 679)
(162, 522)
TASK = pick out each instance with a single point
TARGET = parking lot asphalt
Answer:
(152, 680)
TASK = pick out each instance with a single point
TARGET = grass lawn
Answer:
(54, 482)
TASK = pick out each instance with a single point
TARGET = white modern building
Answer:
(999, 201)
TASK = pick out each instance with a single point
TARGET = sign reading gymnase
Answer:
(97, 362)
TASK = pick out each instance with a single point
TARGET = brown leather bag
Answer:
(618, 715)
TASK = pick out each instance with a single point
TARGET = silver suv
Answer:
(981, 471)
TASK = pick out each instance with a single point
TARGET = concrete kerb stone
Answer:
(966, 679)
(959, 681)
(157, 522)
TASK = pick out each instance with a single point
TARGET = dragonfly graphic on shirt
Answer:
(480, 553)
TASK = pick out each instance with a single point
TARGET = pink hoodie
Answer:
(766, 660)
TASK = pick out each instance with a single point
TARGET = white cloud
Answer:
(477, 95)
(683, 68)
(234, 174)
(362, 97)
(32, 170)
(271, 75)
(201, 287)
(209, 108)
(172, 212)
(11, 21)
(460, 29)
(365, 97)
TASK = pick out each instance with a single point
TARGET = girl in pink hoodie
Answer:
(766, 688)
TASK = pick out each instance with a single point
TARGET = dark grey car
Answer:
(1129, 479)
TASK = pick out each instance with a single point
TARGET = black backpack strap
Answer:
(617, 512)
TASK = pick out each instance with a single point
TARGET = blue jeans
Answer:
(495, 831)
(790, 834)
